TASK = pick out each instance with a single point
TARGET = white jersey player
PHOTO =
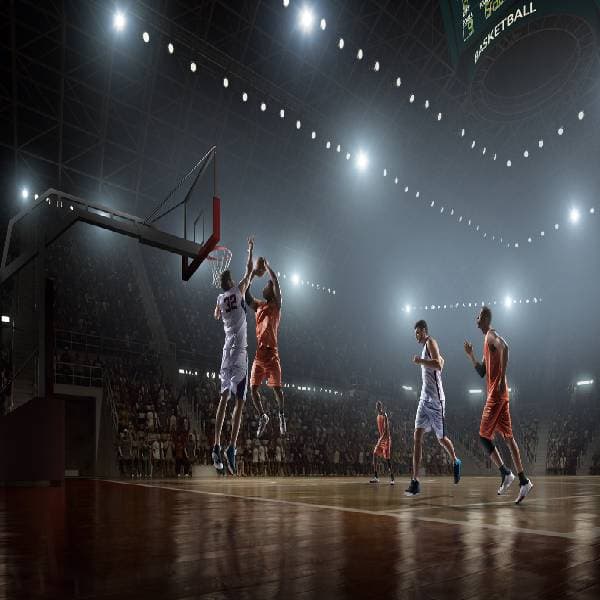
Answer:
(432, 405)
(231, 308)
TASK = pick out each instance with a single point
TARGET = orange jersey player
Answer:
(496, 412)
(383, 447)
(266, 363)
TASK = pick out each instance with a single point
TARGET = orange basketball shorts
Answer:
(383, 448)
(495, 418)
(267, 366)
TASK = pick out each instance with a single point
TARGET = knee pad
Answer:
(487, 444)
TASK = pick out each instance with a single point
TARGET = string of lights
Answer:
(307, 20)
(508, 303)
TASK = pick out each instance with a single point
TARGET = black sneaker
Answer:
(457, 469)
(413, 489)
(217, 460)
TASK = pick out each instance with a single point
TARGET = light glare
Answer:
(119, 21)
(306, 19)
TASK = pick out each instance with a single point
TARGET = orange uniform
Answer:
(266, 363)
(384, 443)
(496, 413)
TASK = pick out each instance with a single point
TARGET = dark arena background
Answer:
(394, 161)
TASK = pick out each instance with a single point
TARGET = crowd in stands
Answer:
(572, 427)
(95, 289)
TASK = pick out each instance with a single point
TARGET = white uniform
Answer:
(234, 365)
(432, 404)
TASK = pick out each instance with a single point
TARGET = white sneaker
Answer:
(523, 491)
(392, 482)
(506, 482)
(262, 425)
(374, 480)
(282, 424)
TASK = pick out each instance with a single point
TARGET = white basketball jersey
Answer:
(432, 390)
(233, 313)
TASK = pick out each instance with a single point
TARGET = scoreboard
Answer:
(477, 14)
(474, 25)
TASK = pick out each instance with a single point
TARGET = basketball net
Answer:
(219, 260)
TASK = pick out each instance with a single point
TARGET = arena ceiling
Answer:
(104, 115)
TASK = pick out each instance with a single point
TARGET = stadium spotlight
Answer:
(592, 210)
(146, 37)
(579, 383)
(24, 193)
(541, 143)
(286, 3)
(412, 98)
(581, 115)
(170, 48)
(475, 391)
(561, 130)
(119, 21)
(313, 135)
(407, 388)
(341, 44)
(574, 216)
(5, 319)
(376, 66)
(298, 124)
(225, 82)
(398, 81)
(295, 279)
(360, 54)
(282, 113)
(407, 308)
(193, 67)
(35, 196)
(362, 160)
(307, 19)
(508, 302)
(323, 24)
(245, 97)
(263, 106)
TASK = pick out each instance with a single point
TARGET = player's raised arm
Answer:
(276, 288)
(479, 366)
(245, 282)
(251, 301)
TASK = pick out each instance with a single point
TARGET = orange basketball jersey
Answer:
(493, 368)
(267, 325)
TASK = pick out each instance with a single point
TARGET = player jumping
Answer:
(266, 363)
(383, 447)
(231, 307)
(432, 406)
(496, 413)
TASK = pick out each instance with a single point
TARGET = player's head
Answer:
(484, 319)
(268, 293)
(379, 406)
(226, 280)
(421, 331)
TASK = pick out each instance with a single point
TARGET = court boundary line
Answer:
(472, 525)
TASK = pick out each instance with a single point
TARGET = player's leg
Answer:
(239, 379)
(489, 423)
(505, 428)
(375, 478)
(220, 418)
(388, 461)
(414, 487)
(439, 426)
(256, 378)
(274, 381)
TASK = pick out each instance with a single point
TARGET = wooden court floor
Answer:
(321, 538)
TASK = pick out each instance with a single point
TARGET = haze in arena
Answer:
(299, 299)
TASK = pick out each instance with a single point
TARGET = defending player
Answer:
(496, 413)
(266, 363)
(383, 447)
(432, 406)
(231, 307)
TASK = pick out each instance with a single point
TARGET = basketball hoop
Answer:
(219, 259)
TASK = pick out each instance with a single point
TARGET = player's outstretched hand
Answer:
(468, 348)
(416, 359)
(251, 242)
